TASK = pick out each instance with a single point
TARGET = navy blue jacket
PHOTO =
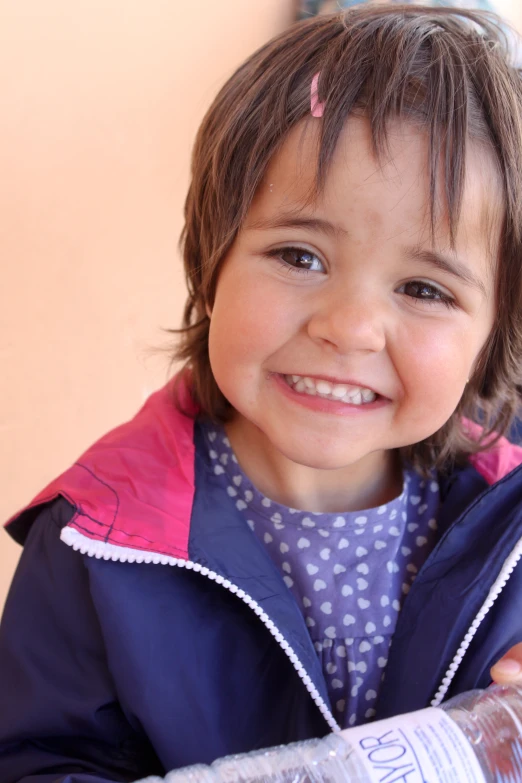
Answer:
(147, 629)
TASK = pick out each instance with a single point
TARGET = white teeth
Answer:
(339, 391)
(323, 387)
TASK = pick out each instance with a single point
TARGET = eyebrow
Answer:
(294, 221)
(452, 266)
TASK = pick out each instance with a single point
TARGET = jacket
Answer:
(147, 628)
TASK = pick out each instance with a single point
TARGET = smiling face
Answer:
(350, 290)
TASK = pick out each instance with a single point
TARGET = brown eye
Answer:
(300, 259)
(426, 292)
(421, 290)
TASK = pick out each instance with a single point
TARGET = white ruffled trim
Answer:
(105, 551)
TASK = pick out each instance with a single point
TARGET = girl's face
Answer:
(350, 293)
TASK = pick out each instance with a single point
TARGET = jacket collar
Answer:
(134, 487)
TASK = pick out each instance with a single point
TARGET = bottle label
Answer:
(420, 747)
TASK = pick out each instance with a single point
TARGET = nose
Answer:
(349, 320)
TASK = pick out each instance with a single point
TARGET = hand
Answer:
(508, 671)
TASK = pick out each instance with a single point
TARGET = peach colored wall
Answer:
(100, 103)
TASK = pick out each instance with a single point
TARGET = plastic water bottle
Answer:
(475, 737)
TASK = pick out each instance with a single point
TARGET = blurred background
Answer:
(99, 104)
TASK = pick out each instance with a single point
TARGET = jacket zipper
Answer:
(104, 551)
(498, 585)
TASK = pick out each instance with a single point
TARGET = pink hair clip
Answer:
(316, 106)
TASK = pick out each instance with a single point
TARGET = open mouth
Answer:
(338, 392)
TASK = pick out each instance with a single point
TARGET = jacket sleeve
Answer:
(60, 721)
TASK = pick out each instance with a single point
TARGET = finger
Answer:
(509, 668)
(507, 671)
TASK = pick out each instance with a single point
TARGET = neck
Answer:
(365, 484)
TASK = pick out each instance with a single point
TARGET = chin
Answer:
(320, 459)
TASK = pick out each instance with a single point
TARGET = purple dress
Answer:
(348, 572)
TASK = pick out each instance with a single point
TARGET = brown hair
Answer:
(445, 69)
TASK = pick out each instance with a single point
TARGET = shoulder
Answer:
(134, 487)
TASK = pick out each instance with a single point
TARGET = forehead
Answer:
(391, 193)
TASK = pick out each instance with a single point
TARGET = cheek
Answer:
(434, 370)
(249, 320)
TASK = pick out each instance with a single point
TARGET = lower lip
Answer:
(323, 405)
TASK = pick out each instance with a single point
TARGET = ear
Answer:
(208, 311)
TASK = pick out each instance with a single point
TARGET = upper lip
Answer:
(337, 381)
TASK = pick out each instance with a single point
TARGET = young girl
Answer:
(312, 525)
